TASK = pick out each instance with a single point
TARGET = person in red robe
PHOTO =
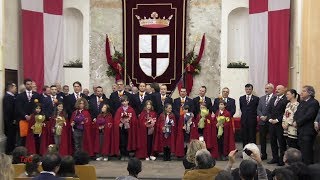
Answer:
(81, 124)
(103, 133)
(36, 127)
(186, 127)
(61, 130)
(165, 133)
(225, 133)
(146, 123)
(124, 130)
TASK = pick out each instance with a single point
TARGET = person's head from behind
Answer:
(18, 154)
(32, 165)
(204, 160)
(292, 155)
(247, 170)
(134, 167)
(51, 162)
(283, 174)
(81, 158)
(6, 168)
(223, 175)
(52, 148)
(67, 167)
(194, 146)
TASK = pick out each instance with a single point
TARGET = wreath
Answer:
(117, 58)
(191, 61)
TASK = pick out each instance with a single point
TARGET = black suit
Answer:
(231, 106)
(70, 101)
(138, 105)
(304, 116)
(276, 111)
(177, 104)
(10, 126)
(94, 108)
(157, 102)
(197, 104)
(248, 118)
(47, 176)
(115, 100)
(48, 106)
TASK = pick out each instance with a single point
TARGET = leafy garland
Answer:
(117, 58)
(191, 59)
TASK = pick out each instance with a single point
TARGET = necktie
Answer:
(225, 100)
(267, 100)
(248, 99)
(77, 96)
(141, 99)
(29, 95)
(277, 100)
(98, 101)
(53, 97)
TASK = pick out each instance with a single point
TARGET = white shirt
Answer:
(48, 172)
(10, 93)
(75, 95)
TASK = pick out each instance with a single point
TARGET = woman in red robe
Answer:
(225, 133)
(165, 133)
(61, 130)
(124, 130)
(103, 133)
(146, 123)
(81, 124)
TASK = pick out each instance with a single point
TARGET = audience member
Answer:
(283, 174)
(224, 175)
(6, 168)
(193, 147)
(81, 158)
(134, 168)
(52, 148)
(32, 164)
(18, 153)
(292, 155)
(204, 166)
(67, 167)
(314, 171)
(50, 165)
(248, 170)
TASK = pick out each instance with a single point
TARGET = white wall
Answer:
(235, 79)
(80, 74)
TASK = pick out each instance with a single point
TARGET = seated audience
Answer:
(67, 167)
(314, 171)
(224, 175)
(193, 147)
(293, 161)
(17, 153)
(283, 174)
(6, 168)
(204, 167)
(134, 168)
(81, 158)
(50, 165)
(248, 170)
(32, 164)
(52, 148)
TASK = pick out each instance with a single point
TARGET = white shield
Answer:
(145, 47)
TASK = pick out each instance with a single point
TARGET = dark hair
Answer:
(55, 111)
(18, 153)
(67, 167)
(186, 107)
(81, 158)
(204, 87)
(134, 166)
(224, 175)
(35, 107)
(108, 108)
(44, 88)
(53, 86)
(223, 102)
(32, 165)
(26, 80)
(77, 82)
(50, 161)
(9, 85)
(295, 94)
(248, 86)
(124, 98)
(165, 107)
(98, 87)
(283, 174)
(247, 169)
(204, 160)
(293, 155)
(155, 86)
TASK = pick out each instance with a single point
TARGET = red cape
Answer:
(107, 138)
(132, 131)
(180, 135)
(87, 144)
(46, 138)
(65, 138)
(30, 143)
(159, 140)
(142, 143)
(228, 133)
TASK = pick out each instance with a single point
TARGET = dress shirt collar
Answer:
(10, 93)
(48, 172)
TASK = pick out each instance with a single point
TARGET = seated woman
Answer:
(32, 164)
(193, 147)
(67, 167)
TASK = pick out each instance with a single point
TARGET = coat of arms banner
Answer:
(154, 40)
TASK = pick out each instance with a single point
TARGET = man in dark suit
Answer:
(10, 124)
(115, 96)
(201, 99)
(96, 101)
(231, 103)
(50, 165)
(160, 99)
(275, 113)
(140, 98)
(263, 122)
(71, 99)
(180, 102)
(25, 104)
(304, 119)
(248, 106)
(50, 102)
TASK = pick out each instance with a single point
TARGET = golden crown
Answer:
(154, 21)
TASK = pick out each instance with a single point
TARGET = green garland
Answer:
(118, 58)
(191, 59)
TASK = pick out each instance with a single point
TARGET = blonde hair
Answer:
(194, 146)
(148, 102)
(85, 102)
(6, 167)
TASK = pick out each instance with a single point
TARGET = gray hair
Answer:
(270, 85)
(204, 160)
(310, 90)
(292, 155)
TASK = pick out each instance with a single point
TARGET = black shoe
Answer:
(264, 157)
(281, 163)
(273, 161)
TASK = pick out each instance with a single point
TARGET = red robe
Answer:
(107, 138)
(65, 137)
(142, 150)
(46, 138)
(132, 131)
(228, 133)
(87, 144)
(159, 140)
(180, 135)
